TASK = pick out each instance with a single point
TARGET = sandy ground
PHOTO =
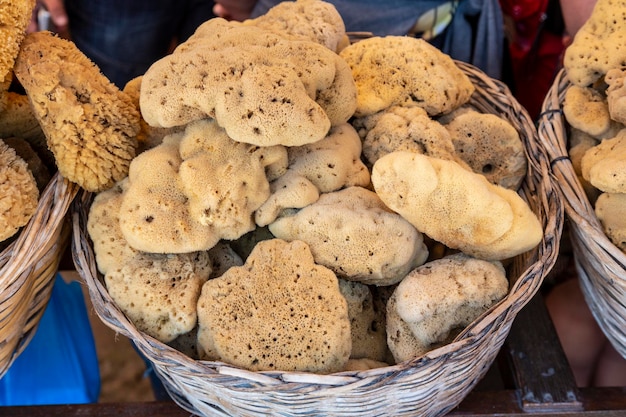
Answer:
(122, 370)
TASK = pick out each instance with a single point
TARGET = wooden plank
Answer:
(607, 402)
(134, 409)
(596, 402)
(540, 370)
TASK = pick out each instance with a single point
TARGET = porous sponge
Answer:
(159, 292)
(279, 311)
(352, 232)
(437, 299)
(261, 87)
(394, 70)
(19, 194)
(599, 44)
(456, 207)
(195, 188)
(403, 128)
(90, 125)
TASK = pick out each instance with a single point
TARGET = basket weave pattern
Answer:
(431, 385)
(600, 264)
(28, 267)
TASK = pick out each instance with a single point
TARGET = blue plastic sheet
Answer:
(60, 365)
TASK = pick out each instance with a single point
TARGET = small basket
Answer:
(28, 267)
(600, 264)
(430, 385)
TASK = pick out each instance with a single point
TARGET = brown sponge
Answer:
(90, 125)
(279, 311)
(394, 70)
(491, 146)
(18, 192)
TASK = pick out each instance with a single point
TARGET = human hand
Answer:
(233, 9)
(58, 17)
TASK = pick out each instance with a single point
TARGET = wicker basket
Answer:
(600, 264)
(430, 385)
(28, 267)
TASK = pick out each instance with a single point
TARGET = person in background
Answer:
(468, 30)
(575, 14)
(124, 37)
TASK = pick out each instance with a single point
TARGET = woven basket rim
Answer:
(183, 375)
(28, 266)
(600, 263)
(553, 130)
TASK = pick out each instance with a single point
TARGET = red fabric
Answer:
(535, 55)
(534, 75)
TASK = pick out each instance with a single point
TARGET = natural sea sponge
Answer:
(314, 20)
(331, 163)
(159, 292)
(403, 128)
(103, 225)
(586, 109)
(223, 257)
(18, 120)
(324, 166)
(154, 215)
(364, 364)
(599, 45)
(187, 343)
(367, 322)
(225, 181)
(19, 195)
(394, 70)
(491, 146)
(90, 125)
(352, 232)
(278, 312)
(611, 211)
(194, 189)
(604, 165)
(579, 143)
(438, 299)
(35, 164)
(148, 136)
(616, 93)
(14, 18)
(262, 88)
(456, 207)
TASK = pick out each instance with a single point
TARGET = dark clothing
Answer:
(124, 37)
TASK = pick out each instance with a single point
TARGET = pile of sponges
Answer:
(595, 108)
(297, 202)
